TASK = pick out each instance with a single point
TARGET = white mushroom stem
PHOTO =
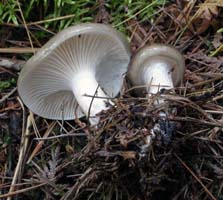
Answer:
(158, 67)
(89, 95)
(158, 77)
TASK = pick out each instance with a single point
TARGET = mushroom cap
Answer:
(150, 54)
(45, 82)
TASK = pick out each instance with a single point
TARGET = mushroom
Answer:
(75, 73)
(156, 67)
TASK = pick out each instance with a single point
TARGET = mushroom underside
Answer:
(50, 80)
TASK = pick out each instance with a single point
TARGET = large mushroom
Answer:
(156, 68)
(75, 73)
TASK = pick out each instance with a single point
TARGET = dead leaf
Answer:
(205, 15)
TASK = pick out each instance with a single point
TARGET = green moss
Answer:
(7, 84)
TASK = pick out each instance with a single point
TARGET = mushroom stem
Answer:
(158, 67)
(158, 77)
(89, 95)
(157, 74)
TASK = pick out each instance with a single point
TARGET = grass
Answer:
(57, 14)
(8, 11)
(7, 84)
(69, 160)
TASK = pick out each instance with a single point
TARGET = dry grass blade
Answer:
(27, 30)
(137, 13)
(40, 143)
(50, 20)
(18, 50)
(7, 95)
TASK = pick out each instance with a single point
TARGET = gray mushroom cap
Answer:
(150, 55)
(45, 82)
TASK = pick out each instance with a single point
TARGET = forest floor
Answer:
(45, 159)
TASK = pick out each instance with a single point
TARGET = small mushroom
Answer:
(157, 67)
(75, 73)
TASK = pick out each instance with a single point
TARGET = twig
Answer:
(18, 50)
(195, 120)
(62, 135)
(137, 13)
(51, 20)
(15, 185)
(40, 144)
(98, 97)
(7, 95)
(23, 114)
(24, 22)
(89, 110)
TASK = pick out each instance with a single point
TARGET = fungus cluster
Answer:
(75, 73)
(82, 67)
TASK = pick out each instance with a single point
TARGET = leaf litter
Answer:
(70, 160)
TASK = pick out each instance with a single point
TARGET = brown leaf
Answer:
(205, 16)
